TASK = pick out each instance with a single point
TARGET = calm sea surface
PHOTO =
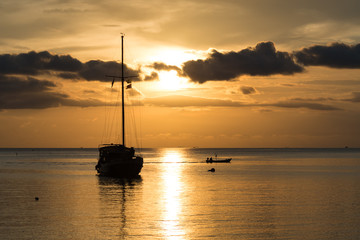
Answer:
(261, 194)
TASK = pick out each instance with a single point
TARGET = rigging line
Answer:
(135, 125)
(104, 132)
(129, 120)
(108, 115)
(112, 124)
(109, 97)
(127, 123)
(139, 109)
(112, 113)
(116, 118)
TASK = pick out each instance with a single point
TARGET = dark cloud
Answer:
(247, 90)
(159, 66)
(355, 98)
(32, 93)
(65, 66)
(33, 63)
(162, 66)
(15, 85)
(67, 75)
(33, 100)
(18, 93)
(97, 70)
(262, 60)
(152, 76)
(336, 55)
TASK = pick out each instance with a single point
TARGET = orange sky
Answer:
(236, 74)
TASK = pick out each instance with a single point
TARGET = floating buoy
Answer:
(211, 170)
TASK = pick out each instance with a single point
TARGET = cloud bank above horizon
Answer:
(19, 72)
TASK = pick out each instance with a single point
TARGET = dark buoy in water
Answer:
(211, 170)
(36, 199)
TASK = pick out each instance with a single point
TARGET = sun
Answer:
(173, 56)
(170, 81)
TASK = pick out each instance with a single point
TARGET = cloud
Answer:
(64, 66)
(27, 92)
(187, 101)
(15, 85)
(17, 73)
(17, 93)
(97, 70)
(332, 82)
(355, 98)
(247, 90)
(301, 104)
(162, 66)
(262, 60)
(152, 76)
(336, 55)
(318, 99)
(133, 92)
(32, 93)
(67, 75)
(34, 63)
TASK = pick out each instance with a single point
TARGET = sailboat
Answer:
(117, 160)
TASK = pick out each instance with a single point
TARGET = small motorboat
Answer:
(211, 160)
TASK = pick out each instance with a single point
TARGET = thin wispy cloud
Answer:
(181, 101)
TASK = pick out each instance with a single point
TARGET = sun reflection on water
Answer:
(172, 199)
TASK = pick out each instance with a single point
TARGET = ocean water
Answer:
(261, 194)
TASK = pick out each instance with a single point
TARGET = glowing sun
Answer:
(169, 80)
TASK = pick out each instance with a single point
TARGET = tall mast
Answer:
(122, 89)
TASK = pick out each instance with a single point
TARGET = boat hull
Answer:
(121, 167)
(219, 160)
(118, 161)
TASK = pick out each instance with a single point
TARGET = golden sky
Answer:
(228, 73)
